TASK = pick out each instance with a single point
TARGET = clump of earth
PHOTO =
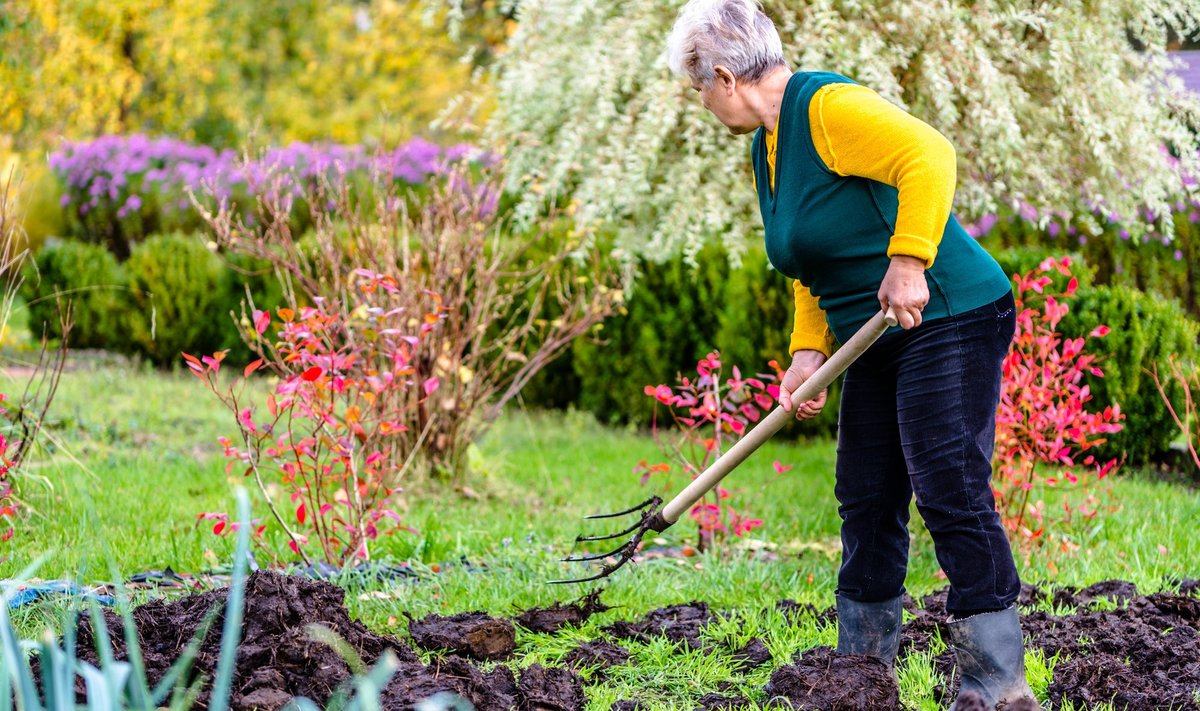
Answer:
(1140, 652)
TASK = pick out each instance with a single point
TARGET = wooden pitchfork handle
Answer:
(772, 423)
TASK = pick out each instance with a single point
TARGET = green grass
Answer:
(133, 457)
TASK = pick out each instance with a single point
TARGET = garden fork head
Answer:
(650, 518)
(653, 516)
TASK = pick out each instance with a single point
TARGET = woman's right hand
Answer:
(804, 364)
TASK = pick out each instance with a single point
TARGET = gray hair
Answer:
(734, 33)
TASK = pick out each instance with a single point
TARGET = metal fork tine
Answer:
(604, 572)
(639, 507)
(597, 576)
(591, 556)
(631, 529)
(649, 520)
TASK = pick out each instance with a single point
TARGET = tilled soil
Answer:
(679, 623)
(557, 616)
(1141, 652)
(754, 654)
(277, 659)
(1143, 655)
(550, 689)
(820, 679)
(472, 634)
(598, 654)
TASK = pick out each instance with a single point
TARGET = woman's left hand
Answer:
(904, 290)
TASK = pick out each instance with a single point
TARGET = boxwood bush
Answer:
(1146, 329)
(89, 279)
(179, 294)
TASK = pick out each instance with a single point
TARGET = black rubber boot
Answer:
(991, 659)
(870, 628)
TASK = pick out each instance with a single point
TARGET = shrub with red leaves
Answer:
(710, 414)
(330, 432)
(1046, 424)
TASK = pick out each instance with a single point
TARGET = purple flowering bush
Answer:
(117, 190)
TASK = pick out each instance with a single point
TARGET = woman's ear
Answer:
(725, 77)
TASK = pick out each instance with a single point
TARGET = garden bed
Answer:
(1140, 651)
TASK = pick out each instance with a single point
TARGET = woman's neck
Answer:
(766, 97)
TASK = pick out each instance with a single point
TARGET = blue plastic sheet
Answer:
(31, 592)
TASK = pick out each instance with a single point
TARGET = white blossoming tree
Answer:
(1048, 104)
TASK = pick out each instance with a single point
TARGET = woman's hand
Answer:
(904, 290)
(804, 364)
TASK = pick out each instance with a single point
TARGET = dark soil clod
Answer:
(796, 611)
(679, 623)
(821, 679)
(1118, 591)
(720, 702)
(552, 619)
(1019, 705)
(473, 634)
(754, 654)
(494, 691)
(550, 689)
(970, 701)
(599, 655)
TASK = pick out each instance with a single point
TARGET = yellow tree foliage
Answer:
(220, 73)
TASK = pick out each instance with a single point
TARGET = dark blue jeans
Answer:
(918, 416)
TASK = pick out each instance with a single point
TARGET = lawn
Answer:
(134, 457)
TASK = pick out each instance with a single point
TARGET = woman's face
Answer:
(722, 98)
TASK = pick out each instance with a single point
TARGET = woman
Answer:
(855, 196)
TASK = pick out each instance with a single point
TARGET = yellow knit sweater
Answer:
(857, 132)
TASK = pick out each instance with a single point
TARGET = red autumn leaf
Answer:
(312, 373)
(217, 529)
(301, 514)
(430, 385)
(262, 319)
(252, 367)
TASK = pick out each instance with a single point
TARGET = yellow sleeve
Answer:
(858, 132)
(810, 331)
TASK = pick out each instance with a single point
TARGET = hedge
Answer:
(171, 295)
(676, 314)
(88, 279)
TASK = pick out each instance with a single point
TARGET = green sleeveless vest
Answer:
(832, 232)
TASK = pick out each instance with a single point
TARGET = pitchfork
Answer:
(653, 516)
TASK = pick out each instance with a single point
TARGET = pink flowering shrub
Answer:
(330, 434)
(709, 415)
(1046, 428)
